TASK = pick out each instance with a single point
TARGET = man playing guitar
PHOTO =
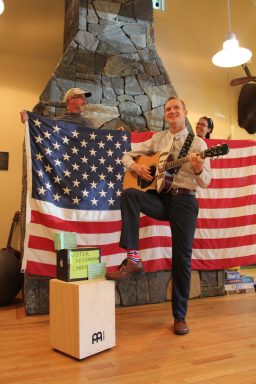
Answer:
(175, 203)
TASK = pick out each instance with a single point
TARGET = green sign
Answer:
(79, 261)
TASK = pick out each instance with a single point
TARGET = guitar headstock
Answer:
(219, 150)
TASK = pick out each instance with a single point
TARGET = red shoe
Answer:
(125, 270)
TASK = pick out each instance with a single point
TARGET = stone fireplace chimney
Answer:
(109, 50)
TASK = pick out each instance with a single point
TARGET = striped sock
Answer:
(133, 255)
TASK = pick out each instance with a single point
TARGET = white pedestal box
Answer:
(82, 316)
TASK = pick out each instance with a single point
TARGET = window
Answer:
(158, 5)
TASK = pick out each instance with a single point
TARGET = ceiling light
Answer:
(1, 7)
(231, 55)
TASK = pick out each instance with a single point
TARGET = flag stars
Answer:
(102, 177)
(93, 168)
(94, 201)
(48, 168)
(119, 176)
(101, 145)
(39, 156)
(84, 160)
(118, 161)
(39, 139)
(56, 197)
(85, 193)
(83, 143)
(76, 201)
(93, 184)
(85, 176)
(125, 138)
(110, 169)
(37, 123)
(118, 145)
(47, 135)
(41, 191)
(93, 152)
(102, 160)
(48, 186)
(74, 150)
(110, 153)
(66, 157)
(118, 193)
(103, 193)
(111, 201)
(40, 173)
(57, 163)
(57, 180)
(67, 173)
(66, 191)
(56, 146)
(111, 185)
(109, 137)
(75, 133)
(56, 129)
(75, 167)
(48, 151)
(93, 136)
(65, 140)
(76, 183)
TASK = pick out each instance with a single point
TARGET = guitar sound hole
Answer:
(143, 183)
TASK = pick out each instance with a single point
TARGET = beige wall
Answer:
(30, 48)
(187, 36)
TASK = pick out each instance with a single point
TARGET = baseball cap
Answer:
(75, 92)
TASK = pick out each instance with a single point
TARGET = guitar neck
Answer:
(178, 162)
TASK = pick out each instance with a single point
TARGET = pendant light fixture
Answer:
(231, 55)
(1, 7)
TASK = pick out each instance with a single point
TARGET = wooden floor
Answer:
(220, 349)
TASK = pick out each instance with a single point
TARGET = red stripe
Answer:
(235, 182)
(220, 264)
(229, 222)
(232, 242)
(235, 144)
(227, 162)
(42, 243)
(41, 269)
(75, 226)
(224, 203)
(138, 137)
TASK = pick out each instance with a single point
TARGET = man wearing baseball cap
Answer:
(76, 101)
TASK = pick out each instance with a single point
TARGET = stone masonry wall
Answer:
(109, 50)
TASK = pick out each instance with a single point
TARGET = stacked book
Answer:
(234, 282)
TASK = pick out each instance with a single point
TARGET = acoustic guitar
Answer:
(131, 180)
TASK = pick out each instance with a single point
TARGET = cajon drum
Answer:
(82, 316)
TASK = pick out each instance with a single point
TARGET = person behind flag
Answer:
(76, 101)
(204, 127)
(178, 205)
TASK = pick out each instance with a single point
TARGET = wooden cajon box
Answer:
(82, 316)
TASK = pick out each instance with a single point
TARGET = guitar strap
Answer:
(160, 176)
(185, 148)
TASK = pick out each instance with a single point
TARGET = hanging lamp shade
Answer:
(1, 7)
(231, 55)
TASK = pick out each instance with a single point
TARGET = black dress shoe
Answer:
(180, 327)
(125, 270)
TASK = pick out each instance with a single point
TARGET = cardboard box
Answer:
(72, 264)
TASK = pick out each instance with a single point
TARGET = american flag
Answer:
(74, 182)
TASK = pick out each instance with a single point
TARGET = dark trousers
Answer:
(181, 211)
